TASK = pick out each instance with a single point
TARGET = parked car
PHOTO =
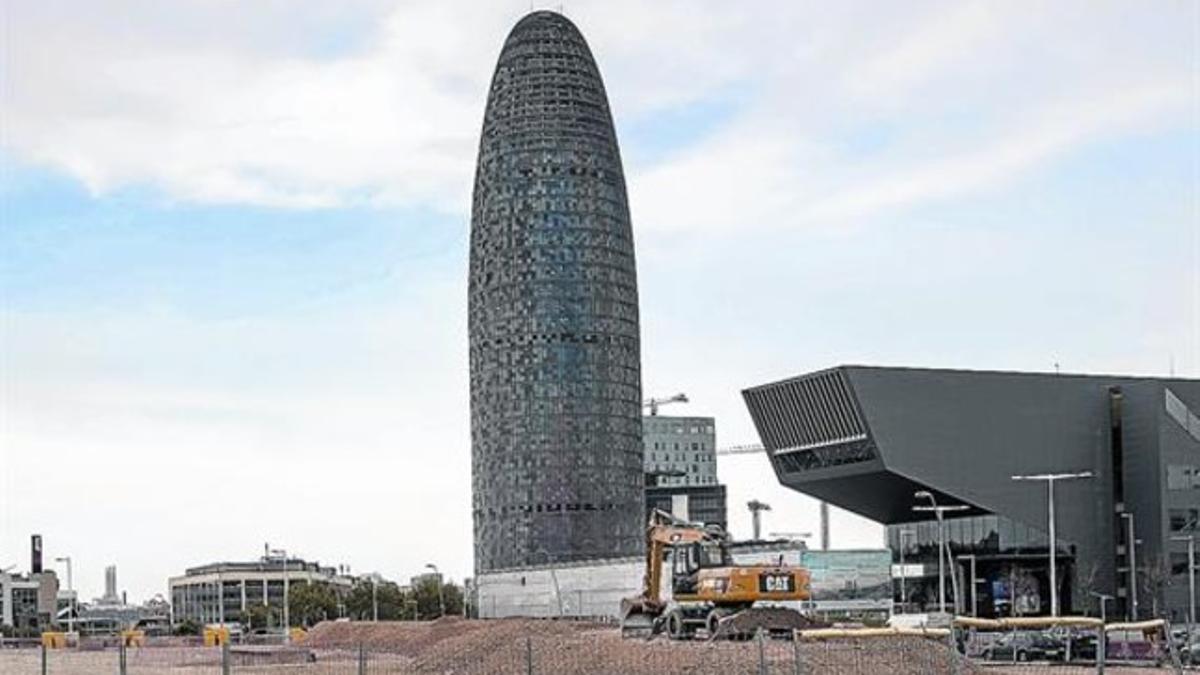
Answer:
(1083, 646)
(1190, 654)
(1132, 646)
(1024, 647)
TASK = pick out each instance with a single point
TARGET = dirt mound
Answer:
(410, 638)
(747, 622)
(458, 647)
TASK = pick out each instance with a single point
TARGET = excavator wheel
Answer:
(676, 628)
(713, 623)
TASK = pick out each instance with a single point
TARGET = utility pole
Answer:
(940, 513)
(756, 508)
(1050, 479)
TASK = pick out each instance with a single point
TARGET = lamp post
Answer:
(1191, 563)
(974, 600)
(441, 596)
(287, 623)
(374, 599)
(71, 591)
(1050, 479)
(903, 569)
(1101, 633)
(1131, 554)
(940, 513)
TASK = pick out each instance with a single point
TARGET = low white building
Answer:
(843, 582)
(222, 592)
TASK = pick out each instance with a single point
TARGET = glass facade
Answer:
(1011, 564)
(556, 431)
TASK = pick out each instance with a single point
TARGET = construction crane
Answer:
(756, 508)
(754, 449)
(749, 449)
(654, 403)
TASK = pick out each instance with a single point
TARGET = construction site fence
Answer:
(841, 652)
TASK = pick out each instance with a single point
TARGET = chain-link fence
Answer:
(597, 652)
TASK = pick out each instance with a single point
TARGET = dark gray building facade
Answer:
(553, 314)
(695, 503)
(867, 438)
(681, 468)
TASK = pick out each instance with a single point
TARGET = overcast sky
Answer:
(234, 242)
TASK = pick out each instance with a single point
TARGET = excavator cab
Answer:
(690, 558)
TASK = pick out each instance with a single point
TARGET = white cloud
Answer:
(255, 115)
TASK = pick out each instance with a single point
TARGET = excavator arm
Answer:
(639, 612)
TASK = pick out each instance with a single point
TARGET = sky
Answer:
(233, 242)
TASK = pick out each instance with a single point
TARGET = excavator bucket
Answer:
(638, 619)
(748, 622)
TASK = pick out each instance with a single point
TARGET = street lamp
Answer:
(1050, 478)
(71, 591)
(974, 600)
(287, 624)
(940, 513)
(1131, 554)
(374, 598)
(903, 569)
(1101, 632)
(1191, 563)
(441, 596)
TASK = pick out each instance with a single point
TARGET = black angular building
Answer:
(867, 439)
(554, 342)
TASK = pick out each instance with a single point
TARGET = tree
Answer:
(256, 616)
(187, 627)
(1156, 576)
(454, 598)
(429, 603)
(360, 603)
(311, 603)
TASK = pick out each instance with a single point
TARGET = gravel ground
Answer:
(460, 647)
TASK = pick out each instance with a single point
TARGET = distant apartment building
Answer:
(29, 602)
(680, 463)
(223, 592)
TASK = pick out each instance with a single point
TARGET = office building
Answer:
(869, 439)
(223, 592)
(681, 468)
(553, 313)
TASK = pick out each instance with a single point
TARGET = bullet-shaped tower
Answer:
(556, 430)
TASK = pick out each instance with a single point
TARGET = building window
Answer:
(1182, 518)
(1183, 477)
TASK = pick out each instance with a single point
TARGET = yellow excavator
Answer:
(708, 592)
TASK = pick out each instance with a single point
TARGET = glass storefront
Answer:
(1011, 562)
